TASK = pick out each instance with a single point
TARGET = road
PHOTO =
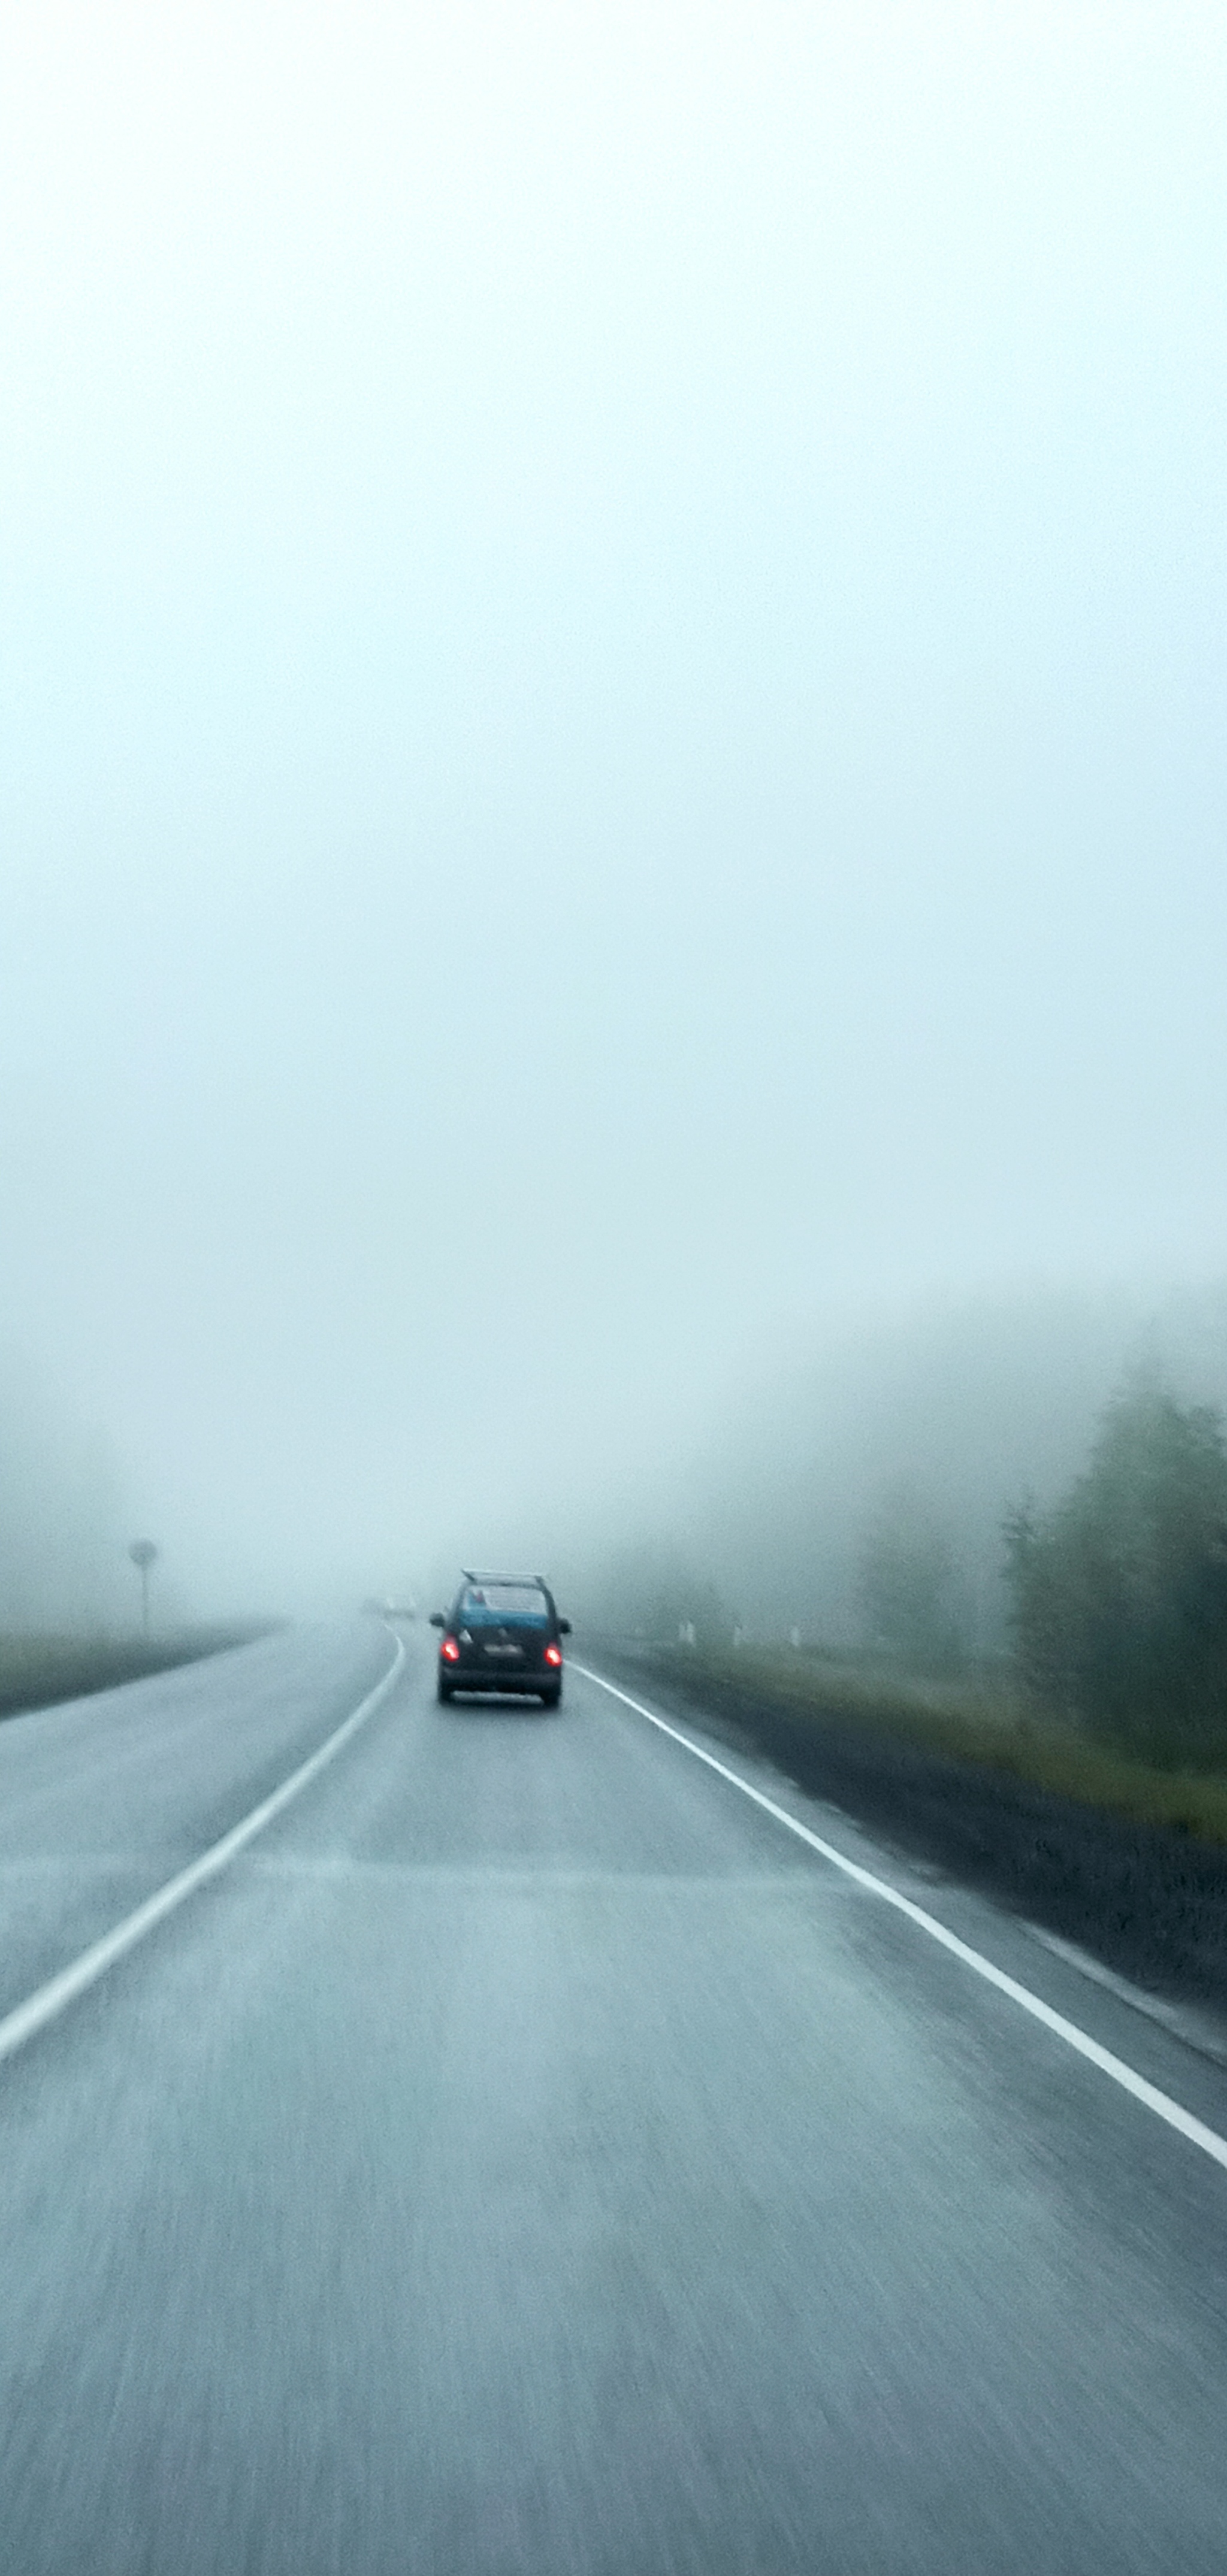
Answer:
(527, 2155)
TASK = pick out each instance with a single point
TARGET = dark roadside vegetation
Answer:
(1083, 1778)
(37, 1671)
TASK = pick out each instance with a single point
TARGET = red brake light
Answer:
(450, 1651)
(553, 1654)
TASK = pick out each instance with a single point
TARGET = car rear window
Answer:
(505, 1601)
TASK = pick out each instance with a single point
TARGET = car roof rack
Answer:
(492, 1574)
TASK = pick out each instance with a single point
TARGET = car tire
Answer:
(443, 1693)
(551, 1698)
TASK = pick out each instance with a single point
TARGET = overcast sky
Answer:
(613, 718)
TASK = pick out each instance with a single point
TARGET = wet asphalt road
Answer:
(528, 2158)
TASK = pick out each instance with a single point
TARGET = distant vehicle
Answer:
(501, 1634)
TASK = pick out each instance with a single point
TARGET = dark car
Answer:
(502, 1634)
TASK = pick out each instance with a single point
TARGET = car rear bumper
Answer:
(479, 1677)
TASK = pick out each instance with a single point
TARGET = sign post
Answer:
(143, 1553)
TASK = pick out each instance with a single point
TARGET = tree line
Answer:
(1117, 1591)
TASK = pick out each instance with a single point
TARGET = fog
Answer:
(612, 777)
(958, 1410)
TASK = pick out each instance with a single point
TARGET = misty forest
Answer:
(1025, 1500)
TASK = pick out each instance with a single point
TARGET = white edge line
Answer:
(49, 2001)
(1160, 2103)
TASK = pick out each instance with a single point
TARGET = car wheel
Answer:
(551, 1698)
(443, 1692)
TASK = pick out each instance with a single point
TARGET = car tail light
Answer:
(450, 1651)
(553, 1654)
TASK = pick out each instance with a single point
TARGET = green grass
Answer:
(38, 1670)
(985, 1721)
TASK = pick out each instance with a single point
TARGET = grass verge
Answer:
(974, 1722)
(37, 1671)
